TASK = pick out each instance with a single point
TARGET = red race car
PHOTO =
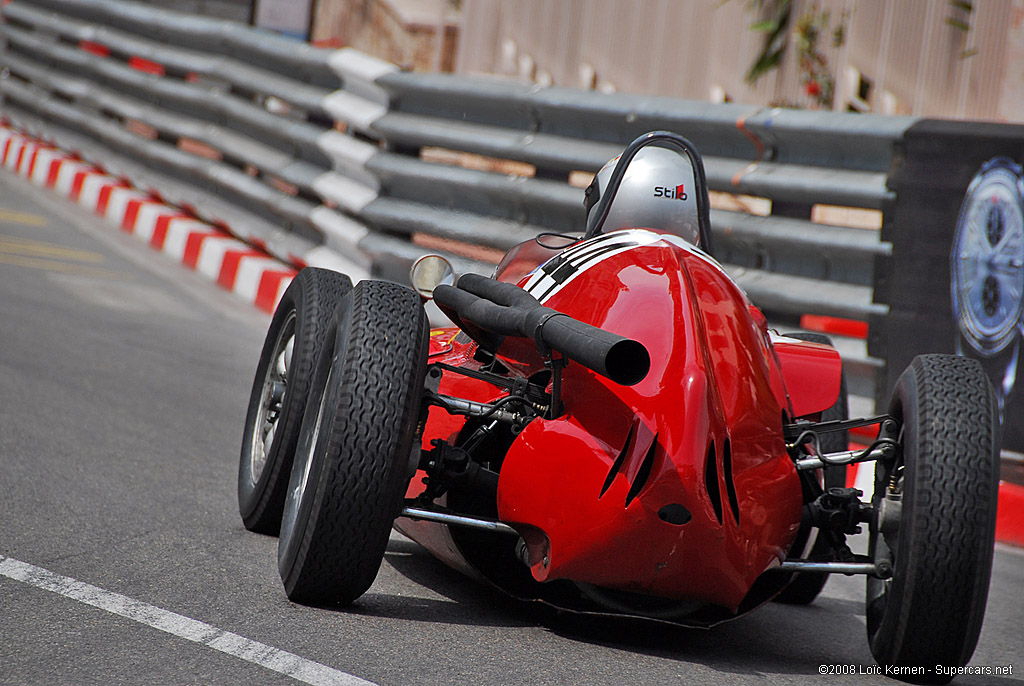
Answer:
(612, 427)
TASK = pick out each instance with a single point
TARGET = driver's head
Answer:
(657, 192)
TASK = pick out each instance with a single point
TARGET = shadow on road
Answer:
(775, 639)
(781, 640)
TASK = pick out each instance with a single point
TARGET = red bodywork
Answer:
(678, 487)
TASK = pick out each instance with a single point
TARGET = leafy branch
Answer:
(816, 76)
(774, 24)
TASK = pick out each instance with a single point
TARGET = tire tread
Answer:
(949, 548)
(372, 426)
(313, 294)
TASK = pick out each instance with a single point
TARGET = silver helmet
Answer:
(658, 191)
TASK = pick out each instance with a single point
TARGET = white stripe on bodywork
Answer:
(583, 256)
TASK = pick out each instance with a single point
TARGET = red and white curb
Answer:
(232, 264)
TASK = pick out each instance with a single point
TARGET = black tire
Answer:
(354, 459)
(279, 390)
(946, 474)
(804, 588)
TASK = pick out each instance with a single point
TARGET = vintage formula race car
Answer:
(612, 427)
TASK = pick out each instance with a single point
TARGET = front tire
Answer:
(944, 481)
(278, 398)
(352, 466)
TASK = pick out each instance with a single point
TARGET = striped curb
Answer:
(211, 251)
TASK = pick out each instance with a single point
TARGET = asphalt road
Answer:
(123, 386)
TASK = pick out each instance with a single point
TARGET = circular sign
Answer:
(987, 260)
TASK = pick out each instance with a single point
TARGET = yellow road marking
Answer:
(14, 245)
(22, 218)
(63, 267)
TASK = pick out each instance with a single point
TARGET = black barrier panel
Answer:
(957, 282)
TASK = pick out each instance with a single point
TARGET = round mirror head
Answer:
(429, 272)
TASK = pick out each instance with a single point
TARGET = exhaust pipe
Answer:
(507, 310)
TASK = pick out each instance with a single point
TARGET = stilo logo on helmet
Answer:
(677, 193)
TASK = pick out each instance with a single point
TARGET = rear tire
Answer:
(805, 587)
(352, 466)
(945, 480)
(278, 398)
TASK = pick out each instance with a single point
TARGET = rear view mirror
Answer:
(429, 272)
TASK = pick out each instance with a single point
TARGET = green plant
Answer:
(774, 17)
(815, 74)
(773, 22)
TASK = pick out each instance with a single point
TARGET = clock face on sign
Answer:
(987, 259)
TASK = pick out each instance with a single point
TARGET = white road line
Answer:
(280, 661)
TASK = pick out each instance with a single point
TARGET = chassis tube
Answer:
(457, 520)
(475, 409)
(844, 458)
(829, 567)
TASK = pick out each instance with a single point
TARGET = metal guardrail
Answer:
(324, 156)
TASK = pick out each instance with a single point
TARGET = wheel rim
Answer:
(303, 465)
(272, 396)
